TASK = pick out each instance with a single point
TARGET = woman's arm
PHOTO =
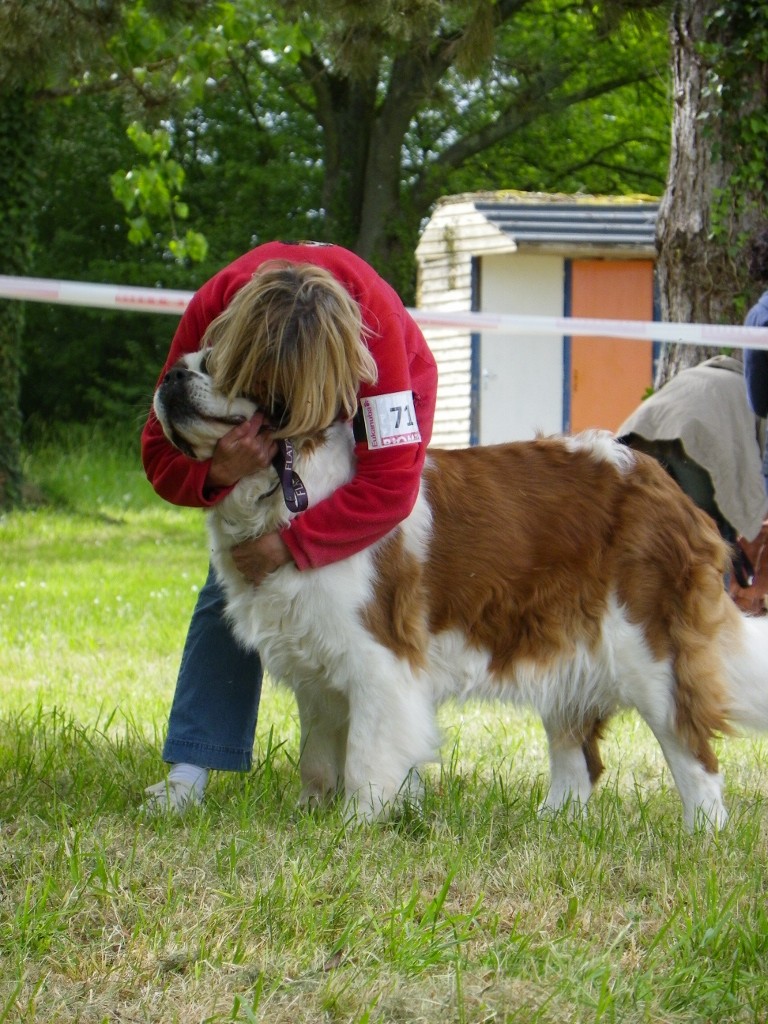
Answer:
(756, 379)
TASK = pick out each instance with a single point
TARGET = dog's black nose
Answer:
(176, 375)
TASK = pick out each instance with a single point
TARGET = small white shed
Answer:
(537, 255)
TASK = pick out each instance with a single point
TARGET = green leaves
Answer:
(736, 51)
(150, 193)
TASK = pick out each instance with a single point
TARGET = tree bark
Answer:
(363, 137)
(700, 277)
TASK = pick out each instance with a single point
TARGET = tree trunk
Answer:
(362, 153)
(18, 134)
(699, 275)
(345, 110)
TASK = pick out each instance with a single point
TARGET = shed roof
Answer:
(573, 223)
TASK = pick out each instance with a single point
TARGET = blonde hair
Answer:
(292, 339)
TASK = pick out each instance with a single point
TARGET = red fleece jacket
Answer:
(384, 488)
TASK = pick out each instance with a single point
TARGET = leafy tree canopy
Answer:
(337, 120)
(391, 104)
(735, 52)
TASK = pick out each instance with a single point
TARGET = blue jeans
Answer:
(213, 716)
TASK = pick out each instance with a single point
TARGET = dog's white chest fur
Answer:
(300, 622)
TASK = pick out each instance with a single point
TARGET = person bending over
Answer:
(306, 331)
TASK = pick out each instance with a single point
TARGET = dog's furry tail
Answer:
(746, 663)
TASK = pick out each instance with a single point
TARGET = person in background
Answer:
(756, 360)
(309, 332)
(756, 380)
(700, 428)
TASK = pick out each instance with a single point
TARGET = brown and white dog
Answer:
(568, 574)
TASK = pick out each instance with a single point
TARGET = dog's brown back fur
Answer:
(525, 563)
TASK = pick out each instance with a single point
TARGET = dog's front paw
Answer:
(365, 806)
(316, 798)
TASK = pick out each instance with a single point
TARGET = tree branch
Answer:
(523, 111)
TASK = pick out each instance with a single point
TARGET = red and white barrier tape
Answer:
(159, 300)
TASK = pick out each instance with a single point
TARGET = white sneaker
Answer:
(171, 796)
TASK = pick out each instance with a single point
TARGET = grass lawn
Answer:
(471, 910)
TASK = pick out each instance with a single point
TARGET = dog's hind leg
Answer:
(324, 719)
(698, 781)
(591, 747)
(700, 787)
(686, 745)
(573, 761)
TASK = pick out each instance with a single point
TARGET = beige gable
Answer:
(455, 233)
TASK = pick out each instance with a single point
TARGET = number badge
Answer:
(390, 420)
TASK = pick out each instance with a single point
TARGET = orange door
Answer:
(609, 376)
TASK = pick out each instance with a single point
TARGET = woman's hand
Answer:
(256, 559)
(247, 448)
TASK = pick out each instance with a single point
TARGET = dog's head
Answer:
(192, 413)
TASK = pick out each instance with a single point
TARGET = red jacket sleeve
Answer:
(175, 477)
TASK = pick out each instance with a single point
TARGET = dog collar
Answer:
(294, 491)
